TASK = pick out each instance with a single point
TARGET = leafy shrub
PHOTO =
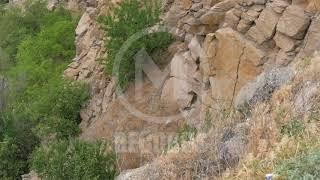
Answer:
(293, 127)
(127, 19)
(42, 105)
(17, 143)
(303, 167)
(17, 24)
(74, 160)
(3, 1)
(57, 109)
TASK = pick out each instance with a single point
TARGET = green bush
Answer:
(42, 105)
(17, 24)
(57, 108)
(17, 143)
(74, 160)
(127, 19)
(3, 1)
(303, 167)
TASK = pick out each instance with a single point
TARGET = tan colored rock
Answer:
(235, 63)
(216, 14)
(294, 22)
(185, 4)
(207, 56)
(83, 24)
(183, 66)
(243, 26)
(284, 42)
(177, 91)
(231, 20)
(311, 42)
(212, 18)
(195, 47)
(284, 58)
(279, 5)
(265, 26)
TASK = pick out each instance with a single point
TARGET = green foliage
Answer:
(303, 167)
(293, 127)
(17, 143)
(17, 24)
(127, 19)
(57, 107)
(185, 133)
(4, 1)
(42, 105)
(74, 160)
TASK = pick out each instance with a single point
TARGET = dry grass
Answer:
(268, 144)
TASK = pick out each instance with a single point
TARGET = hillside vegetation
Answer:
(40, 105)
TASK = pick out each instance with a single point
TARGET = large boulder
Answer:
(265, 26)
(284, 42)
(311, 42)
(236, 61)
(294, 22)
(216, 14)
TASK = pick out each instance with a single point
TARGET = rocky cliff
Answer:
(228, 54)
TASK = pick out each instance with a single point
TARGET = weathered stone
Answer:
(284, 42)
(243, 26)
(283, 58)
(279, 5)
(247, 18)
(207, 55)
(262, 87)
(195, 47)
(231, 19)
(259, 2)
(294, 22)
(265, 26)
(257, 8)
(235, 62)
(177, 91)
(196, 7)
(183, 66)
(83, 24)
(224, 6)
(212, 18)
(311, 42)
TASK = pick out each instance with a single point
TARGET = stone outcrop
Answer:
(295, 18)
(228, 53)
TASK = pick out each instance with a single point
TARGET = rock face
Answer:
(295, 18)
(265, 26)
(236, 62)
(228, 53)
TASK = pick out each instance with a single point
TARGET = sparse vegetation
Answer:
(185, 133)
(208, 121)
(127, 19)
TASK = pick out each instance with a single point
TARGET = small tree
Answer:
(130, 17)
